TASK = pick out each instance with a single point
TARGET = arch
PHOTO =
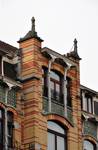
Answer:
(9, 108)
(61, 62)
(60, 120)
(90, 138)
(89, 145)
(2, 105)
(53, 125)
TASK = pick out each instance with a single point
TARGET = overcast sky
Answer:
(58, 22)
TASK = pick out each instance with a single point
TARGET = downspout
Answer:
(49, 87)
(65, 90)
(2, 67)
(49, 90)
(6, 125)
(65, 93)
(6, 119)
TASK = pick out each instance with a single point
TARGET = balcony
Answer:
(90, 128)
(8, 98)
(57, 108)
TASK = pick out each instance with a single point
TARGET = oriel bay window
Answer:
(56, 92)
(56, 137)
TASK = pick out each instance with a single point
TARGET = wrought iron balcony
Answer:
(90, 128)
(9, 98)
(57, 108)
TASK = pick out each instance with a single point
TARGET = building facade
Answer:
(42, 104)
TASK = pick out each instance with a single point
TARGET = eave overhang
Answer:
(60, 59)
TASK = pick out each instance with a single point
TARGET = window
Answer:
(56, 137)
(9, 129)
(96, 107)
(88, 145)
(69, 104)
(44, 81)
(88, 105)
(56, 87)
(10, 70)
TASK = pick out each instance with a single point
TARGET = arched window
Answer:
(56, 87)
(56, 137)
(88, 145)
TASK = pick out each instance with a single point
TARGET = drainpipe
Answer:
(65, 89)
(2, 67)
(49, 87)
(65, 92)
(6, 119)
(6, 129)
(49, 90)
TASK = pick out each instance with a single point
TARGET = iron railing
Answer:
(57, 108)
(10, 98)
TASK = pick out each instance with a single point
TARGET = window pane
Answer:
(1, 132)
(51, 141)
(96, 107)
(60, 143)
(85, 104)
(88, 145)
(90, 104)
(10, 128)
(52, 85)
(0, 113)
(52, 89)
(9, 142)
(10, 117)
(55, 127)
(55, 76)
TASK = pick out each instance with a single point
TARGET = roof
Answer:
(6, 48)
(59, 58)
(82, 87)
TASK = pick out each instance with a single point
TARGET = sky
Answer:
(58, 23)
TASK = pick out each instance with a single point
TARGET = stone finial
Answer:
(32, 33)
(75, 45)
(74, 53)
(33, 24)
